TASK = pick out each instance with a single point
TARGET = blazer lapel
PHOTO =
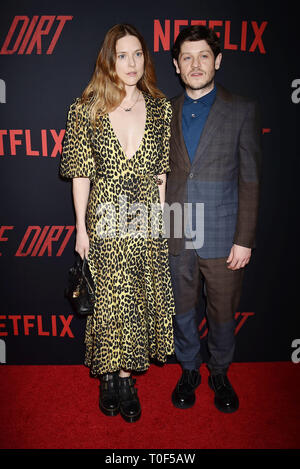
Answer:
(177, 134)
(216, 116)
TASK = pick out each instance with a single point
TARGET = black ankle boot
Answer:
(183, 396)
(226, 399)
(109, 401)
(130, 407)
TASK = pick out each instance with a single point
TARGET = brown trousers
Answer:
(222, 288)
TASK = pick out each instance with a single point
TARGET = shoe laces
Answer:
(188, 377)
(220, 381)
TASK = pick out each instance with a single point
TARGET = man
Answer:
(214, 159)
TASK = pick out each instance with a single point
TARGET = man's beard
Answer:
(204, 85)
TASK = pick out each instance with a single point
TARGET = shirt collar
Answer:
(206, 100)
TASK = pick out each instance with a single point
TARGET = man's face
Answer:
(197, 65)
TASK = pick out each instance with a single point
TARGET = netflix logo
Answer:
(40, 241)
(38, 34)
(36, 325)
(46, 143)
(249, 37)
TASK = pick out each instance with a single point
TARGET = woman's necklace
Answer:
(127, 109)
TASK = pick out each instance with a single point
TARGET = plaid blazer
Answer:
(223, 179)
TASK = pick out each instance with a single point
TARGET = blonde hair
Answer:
(105, 90)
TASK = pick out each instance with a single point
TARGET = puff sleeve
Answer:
(164, 165)
(77, 157)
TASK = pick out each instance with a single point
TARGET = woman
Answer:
(117, 138)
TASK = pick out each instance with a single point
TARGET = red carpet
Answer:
(55, 407)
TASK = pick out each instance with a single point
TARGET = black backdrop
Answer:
(47, 54)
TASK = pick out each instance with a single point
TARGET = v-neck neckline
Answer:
(143, 137)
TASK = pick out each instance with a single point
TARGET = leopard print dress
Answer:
(132, 320)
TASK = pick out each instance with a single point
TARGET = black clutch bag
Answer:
(81, 289)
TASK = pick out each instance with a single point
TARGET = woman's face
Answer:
(129, 60)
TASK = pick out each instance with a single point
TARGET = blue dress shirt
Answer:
(194, 115)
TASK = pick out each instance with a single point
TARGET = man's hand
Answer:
(239, 256)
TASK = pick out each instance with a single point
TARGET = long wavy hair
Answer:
(105, 90)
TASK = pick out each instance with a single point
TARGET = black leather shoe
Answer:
(130, 407)
(226, 400)
(183, 395)
(109, 401)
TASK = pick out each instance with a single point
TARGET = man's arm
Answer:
(248, 188)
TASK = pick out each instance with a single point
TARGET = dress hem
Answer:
(95, 373)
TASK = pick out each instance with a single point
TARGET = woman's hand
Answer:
(82, 244)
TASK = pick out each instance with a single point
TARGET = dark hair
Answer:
(196, 33)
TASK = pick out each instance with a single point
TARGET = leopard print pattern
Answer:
(132, 320)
